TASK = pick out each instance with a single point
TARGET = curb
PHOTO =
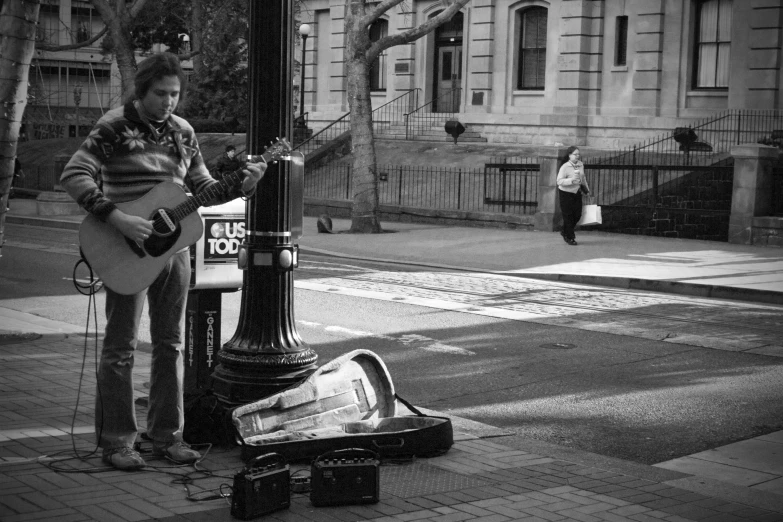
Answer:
(649, 285)
(669, 287)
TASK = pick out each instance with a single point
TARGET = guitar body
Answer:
(128, 267)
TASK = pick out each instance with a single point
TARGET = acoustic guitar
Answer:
(128, 267)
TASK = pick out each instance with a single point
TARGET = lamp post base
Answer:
(270, 374)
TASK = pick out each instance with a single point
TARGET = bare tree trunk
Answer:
(118, 18)
(18, 19)
(197, 35)
(360, 52)
(126, 60)
(364, 212)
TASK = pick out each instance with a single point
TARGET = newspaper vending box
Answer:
(213, 271)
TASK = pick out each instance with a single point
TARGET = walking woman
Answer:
(571, 183)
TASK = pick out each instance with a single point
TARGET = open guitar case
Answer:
(348, 402)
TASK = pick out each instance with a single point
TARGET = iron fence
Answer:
(38, 178)
(511, 189)
(633, 176)
(704, 143)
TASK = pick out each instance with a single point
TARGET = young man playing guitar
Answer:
(133, 149)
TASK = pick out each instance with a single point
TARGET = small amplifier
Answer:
(262, 487)
(348, 476)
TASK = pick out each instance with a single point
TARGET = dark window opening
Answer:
(621, 41)
(531, 67)
(378, 30)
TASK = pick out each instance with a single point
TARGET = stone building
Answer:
(599, 73)
(70, 89)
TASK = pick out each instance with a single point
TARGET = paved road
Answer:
(710, 323)
(641, 376)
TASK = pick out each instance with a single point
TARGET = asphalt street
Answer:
(637, 375)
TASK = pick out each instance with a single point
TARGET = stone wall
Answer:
(767, 231)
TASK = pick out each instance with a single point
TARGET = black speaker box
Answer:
(262, 487)
(348, 476)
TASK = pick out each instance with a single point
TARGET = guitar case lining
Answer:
(348, 402)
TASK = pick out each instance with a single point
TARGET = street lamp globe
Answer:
(304, 30)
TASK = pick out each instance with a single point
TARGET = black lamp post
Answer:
(266, 354)
(304, 32)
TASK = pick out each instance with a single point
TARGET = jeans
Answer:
(115, 413)
(571, 208)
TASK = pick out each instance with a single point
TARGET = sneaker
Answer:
(572, 242)
(178, 451)
(124, 458)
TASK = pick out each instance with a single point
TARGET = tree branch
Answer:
(378, 11)
(188, 56)
(136, 8)
(105, 11)
(79, 45)
(414, 33)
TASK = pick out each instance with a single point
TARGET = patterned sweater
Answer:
(124, 157)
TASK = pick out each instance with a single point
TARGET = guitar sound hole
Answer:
(157, 245)
(162, 222)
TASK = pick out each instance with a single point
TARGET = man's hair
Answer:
(229, 148)
(154, 68)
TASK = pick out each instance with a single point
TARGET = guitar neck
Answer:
(213, 191)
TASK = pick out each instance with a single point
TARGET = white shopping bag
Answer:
(591, 215)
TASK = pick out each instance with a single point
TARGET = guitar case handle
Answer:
(348, 451)
(400, 442)
(266, 459)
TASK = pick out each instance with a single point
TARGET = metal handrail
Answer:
(342, 119)
(398, 97)
(428, 104)
(723, 130)
(322, 131)
(434, 100)
(304, 118)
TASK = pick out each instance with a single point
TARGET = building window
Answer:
(531, 67)
(48, 22)
(713, 44)
(52, 84)
(621, 41)
(378, 30)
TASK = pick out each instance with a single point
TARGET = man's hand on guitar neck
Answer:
(253, 174)
(133, 227)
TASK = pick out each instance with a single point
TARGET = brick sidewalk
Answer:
(489, 480)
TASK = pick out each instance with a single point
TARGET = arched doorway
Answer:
(448, 66)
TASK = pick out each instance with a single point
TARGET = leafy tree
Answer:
(218, 87)
(360, 53)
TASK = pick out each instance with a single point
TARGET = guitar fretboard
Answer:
(218, 189)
